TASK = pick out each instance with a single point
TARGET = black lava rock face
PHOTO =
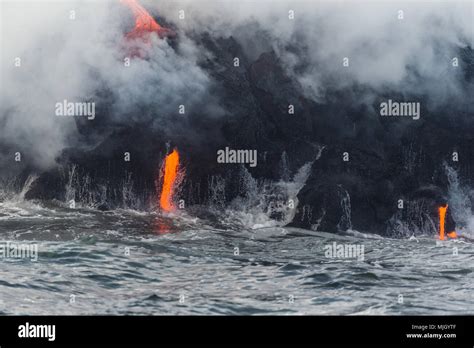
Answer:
(369, 173)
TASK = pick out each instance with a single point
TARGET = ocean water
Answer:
(128, 262)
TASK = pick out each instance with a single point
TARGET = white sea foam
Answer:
(460, 201)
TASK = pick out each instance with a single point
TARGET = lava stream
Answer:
(442, 217)
(170, 174)
(144, 22)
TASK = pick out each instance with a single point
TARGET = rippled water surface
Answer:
(124, 262)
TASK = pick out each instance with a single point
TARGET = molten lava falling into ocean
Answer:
(144, 22)
(442, 218)
(442, 215)
(170, 174)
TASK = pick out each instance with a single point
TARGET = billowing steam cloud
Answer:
(56, 51)
(407, 46)
(65, 58)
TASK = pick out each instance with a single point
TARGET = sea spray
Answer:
(265, 203)
(460, 201)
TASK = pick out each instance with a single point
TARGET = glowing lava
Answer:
(452, 234)
(442, 217)
(144, 22)
(170, 174)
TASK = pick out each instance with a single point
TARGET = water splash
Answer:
(216, 192)
(13, 190)
(460, 201)
(264, 203)
(346, 221)
(129, 197)
(27, 186)
(284, 167)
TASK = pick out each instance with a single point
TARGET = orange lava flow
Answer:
(452, 235)
(442, 218)
(144, 22)
(170, 174)
(442, 215)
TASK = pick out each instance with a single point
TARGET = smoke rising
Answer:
(409, 51)
(64, 58)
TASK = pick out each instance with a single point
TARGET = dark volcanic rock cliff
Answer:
(389, 159)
